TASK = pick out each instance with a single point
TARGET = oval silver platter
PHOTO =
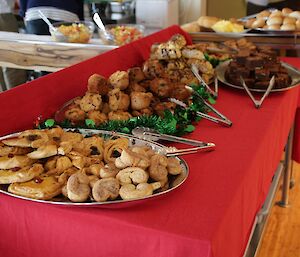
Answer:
(175, 181)
(292, 71)
(277, 32)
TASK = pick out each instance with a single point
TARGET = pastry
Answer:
(119, 79)
(106, 189)
(15, 161)
(97, 84)
(191, 27)
(207, 21)
(41, 188)
(24, 174)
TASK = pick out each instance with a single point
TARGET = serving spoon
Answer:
(58, 35)
(98, 21)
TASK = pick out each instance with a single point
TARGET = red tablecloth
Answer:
(296, 146)
(209, 216)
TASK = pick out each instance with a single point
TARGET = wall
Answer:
(226, 8)
(191, 10)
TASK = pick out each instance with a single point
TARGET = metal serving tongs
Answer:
(203, 115)
(210, 107)
(168, 151)
(149, 134)
(258, 103)
(152, 135)
(201, 80)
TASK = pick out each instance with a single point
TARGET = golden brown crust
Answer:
(15, 161)
(42, 188)
(140, 100)
(24, 174)
(106, 189)
(288, 27)
(118, 100)
(97, 84)
(98, 117)
(263, 14)
(119, 115)
(135, 74)
(207, 21)
(15, 150)
(286, 11)
(90, 102)
(75, 114)
(258, 23)
(191, 27)
(119, 79)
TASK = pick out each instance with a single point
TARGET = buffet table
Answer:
(210, 215)
(26, 51)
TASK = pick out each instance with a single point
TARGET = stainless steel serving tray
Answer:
(277, 32)
(292, 71)
(175, 181)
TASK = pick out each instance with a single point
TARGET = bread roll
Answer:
(207, 21)
(191, 27)
(248, 23)
(276, 13)
(258, 23)
(274, 21)
(263, 14)
(295, 14)
(274, 27)
(288, 27)
(289, 20)
(286, 11)
(298, 25)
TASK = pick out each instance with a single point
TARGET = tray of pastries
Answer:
(273, 21)
(140, 91)
(86, 167)
(257, 66)
(231, 27)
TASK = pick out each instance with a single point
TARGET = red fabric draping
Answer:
(296, 145)
(210, 215)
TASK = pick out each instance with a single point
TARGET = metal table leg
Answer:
(286, 183)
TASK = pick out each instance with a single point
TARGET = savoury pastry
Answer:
(15, 150)
(16, 161)
(41, 188)
(21, 175)
(113, 147)
(28, 138)
(43, 152)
